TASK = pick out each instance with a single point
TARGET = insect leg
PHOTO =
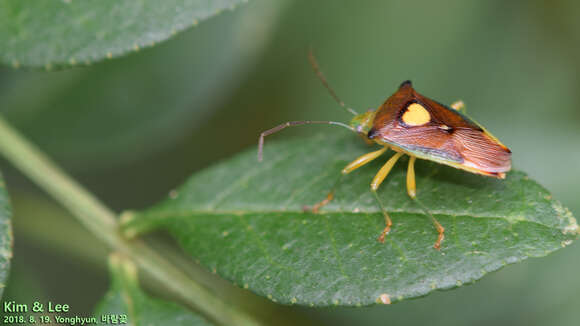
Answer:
(411, 190)
(362, 160)
(384, 171)
(458, 106)
(326, 200)
(377, 180)
(388, 221)
(411, 187)
(440, 229)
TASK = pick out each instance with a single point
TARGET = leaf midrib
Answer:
(420, 212)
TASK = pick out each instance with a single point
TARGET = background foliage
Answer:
(515, 64)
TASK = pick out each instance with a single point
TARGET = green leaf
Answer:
(243, 220)
(160, 94)
(125, 298)
(5, 235)
(58, 33)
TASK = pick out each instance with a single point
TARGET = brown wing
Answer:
(441, 134)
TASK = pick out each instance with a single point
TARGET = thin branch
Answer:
(102, 222)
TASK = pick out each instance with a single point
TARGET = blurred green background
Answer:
(132, 128)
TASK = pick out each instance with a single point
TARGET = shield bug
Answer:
(411, 124)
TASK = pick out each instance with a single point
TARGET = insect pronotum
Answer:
(411, 124)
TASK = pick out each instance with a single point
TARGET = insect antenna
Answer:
(320, 75)
(291, 124)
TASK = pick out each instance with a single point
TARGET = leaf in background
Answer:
(126, 298)
(6, 240)
(60, 33)
(122, 110)
(24, 285)
(243, 220)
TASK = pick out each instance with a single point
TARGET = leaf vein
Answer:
(262, 247)
(219, 197)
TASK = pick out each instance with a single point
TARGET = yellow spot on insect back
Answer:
(416, 115)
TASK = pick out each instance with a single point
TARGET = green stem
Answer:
(102, 222)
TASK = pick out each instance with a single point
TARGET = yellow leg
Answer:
(377, 180)
(384, 171)
(329, 197)
(412, 191)
(388, 221)
(440, 229)
(441, 236)
(364, 159)
(458, 106)
(411, 188)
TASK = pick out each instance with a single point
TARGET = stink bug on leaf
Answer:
(414, 125)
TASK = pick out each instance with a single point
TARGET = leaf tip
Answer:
(572, 227)
(566, 243)
(565, 215)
